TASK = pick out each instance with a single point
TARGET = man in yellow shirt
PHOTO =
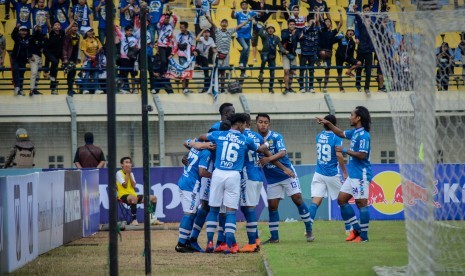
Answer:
(125, 185)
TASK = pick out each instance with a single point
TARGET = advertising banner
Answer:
(72, 227)
(20, 233)
(90, 202)
(51, 210)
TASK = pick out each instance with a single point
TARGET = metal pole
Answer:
(72, 110)
(145, 135)
(111, 134)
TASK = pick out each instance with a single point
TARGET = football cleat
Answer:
(221, 247)
(209, 248)
(183, 248)
(359, 239)
(233, 250)
(249, 248)
(270, 240)
(195, 247)
(310, 237)
(353, 234)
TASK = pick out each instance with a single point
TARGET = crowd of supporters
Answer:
(62, 31)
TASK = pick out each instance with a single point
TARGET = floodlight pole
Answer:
(110, 52)
(145, 135)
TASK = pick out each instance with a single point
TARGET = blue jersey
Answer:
(231, 148)
(359, 142)
(245, 31)
(190, 176)
(39, 17)
(81, 15)
(215, 126)
(127, 18)
(253, 169)
(274, 174)
(101, 16)
(60, 13)
(23, 13)
(155, 10)
(326, 163)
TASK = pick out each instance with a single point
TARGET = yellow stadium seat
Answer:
(331, 3)
(342, 3)
(283, 26)
(2, 30)
(222, 12)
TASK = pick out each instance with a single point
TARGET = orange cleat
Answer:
(258, 242)
(359, 239)
(249, 248)
(233, 250)
(353, 234)
(209, 248)
(222, 247)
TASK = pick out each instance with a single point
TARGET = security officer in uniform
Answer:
(22, 153)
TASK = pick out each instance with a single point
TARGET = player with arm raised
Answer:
(279, 182)
(189, 192)
(326, 178)
(359, 169)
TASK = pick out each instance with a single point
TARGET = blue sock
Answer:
(230, 228)
(312, 209)
(348, 215)
(348, 226)
(185, 227)
(273, 224)
(212, 222)
(364, 221)
(251, 226)
(305, 216)
(221, 222)
(198, 223)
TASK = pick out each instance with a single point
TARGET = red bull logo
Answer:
(414, 193)
(387, 196)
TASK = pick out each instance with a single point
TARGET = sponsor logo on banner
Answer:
(72, 205)
(29, 217)
(17, 206)
(85, 206)
(414, 193)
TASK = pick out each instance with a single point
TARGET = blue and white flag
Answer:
(178, 71)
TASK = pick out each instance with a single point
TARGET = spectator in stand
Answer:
(89, 156)
(444, 59)
(244, 34)
(41, 16)
(202, 10)
(459, 54)
(223, 37)
(23, 12)
(320, 7)
(373, 4)
(125, 62)
(184, 47)
(128, 10)
(82, 15)
(36, 46)
(52, 52)
(345, 53)
(90, 47)
(264, 11)
(309, 43)
(271, 43)
(2, 50)
(60, 11)
(294, 15)
(365, 49)
(353, 8)
(160, 81)
(19, 56)
(166, 37)
(100, 10)
(327, 39)
(70, 54)
(155, 12)
(290, 40)
(204, 44)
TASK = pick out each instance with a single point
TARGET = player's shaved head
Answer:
(365, 117)
(331, 118)
(225, 107)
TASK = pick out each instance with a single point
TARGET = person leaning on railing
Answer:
(70, 53)
(19, 56)
(52, 52)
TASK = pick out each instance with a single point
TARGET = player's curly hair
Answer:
(365, 117)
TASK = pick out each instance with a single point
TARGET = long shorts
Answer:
(225, 189)
(250, 191)
(288, 64)
(358, 188)
(190, 200)
(323, 185)
(290, 186)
